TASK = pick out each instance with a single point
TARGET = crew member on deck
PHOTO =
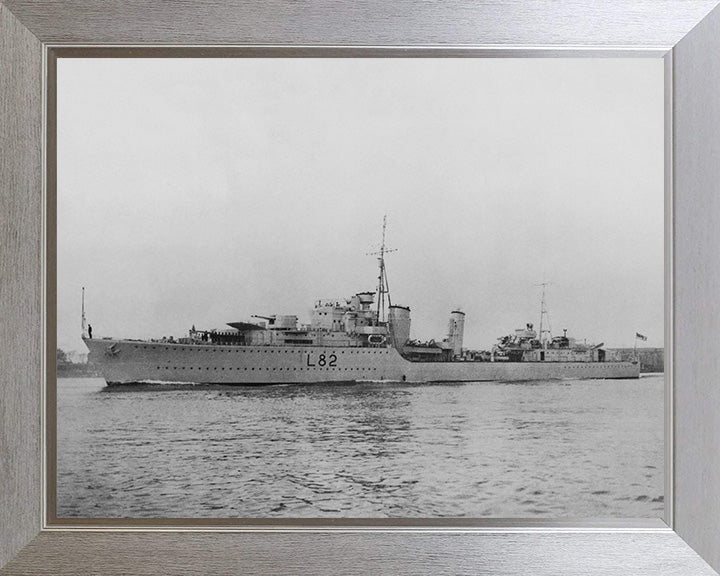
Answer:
(90, 331)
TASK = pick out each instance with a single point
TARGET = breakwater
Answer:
(651, 359)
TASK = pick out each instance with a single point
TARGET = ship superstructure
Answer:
(363, 337)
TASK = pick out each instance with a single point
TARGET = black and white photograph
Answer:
(360, 288)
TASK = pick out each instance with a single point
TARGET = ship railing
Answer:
(329, 303)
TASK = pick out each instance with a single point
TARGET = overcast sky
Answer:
(202, 191)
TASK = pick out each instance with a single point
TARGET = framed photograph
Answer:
(282, 167)
(443, 308)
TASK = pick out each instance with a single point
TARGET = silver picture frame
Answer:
(686, 34)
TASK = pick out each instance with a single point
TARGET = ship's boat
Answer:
(361, 338)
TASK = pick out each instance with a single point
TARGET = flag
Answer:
(640, 336)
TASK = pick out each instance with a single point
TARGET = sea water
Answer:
(556, 449)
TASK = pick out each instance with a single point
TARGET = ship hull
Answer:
(128, 361)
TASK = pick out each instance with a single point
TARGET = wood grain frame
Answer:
(686, 33)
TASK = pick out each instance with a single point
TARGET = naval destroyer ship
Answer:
(361, 338)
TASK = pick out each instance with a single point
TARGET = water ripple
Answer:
(555, 449)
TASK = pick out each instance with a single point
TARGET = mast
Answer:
(383, 289)
(543, 314)
(82, 324)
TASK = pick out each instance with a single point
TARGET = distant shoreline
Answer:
(76, 371)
